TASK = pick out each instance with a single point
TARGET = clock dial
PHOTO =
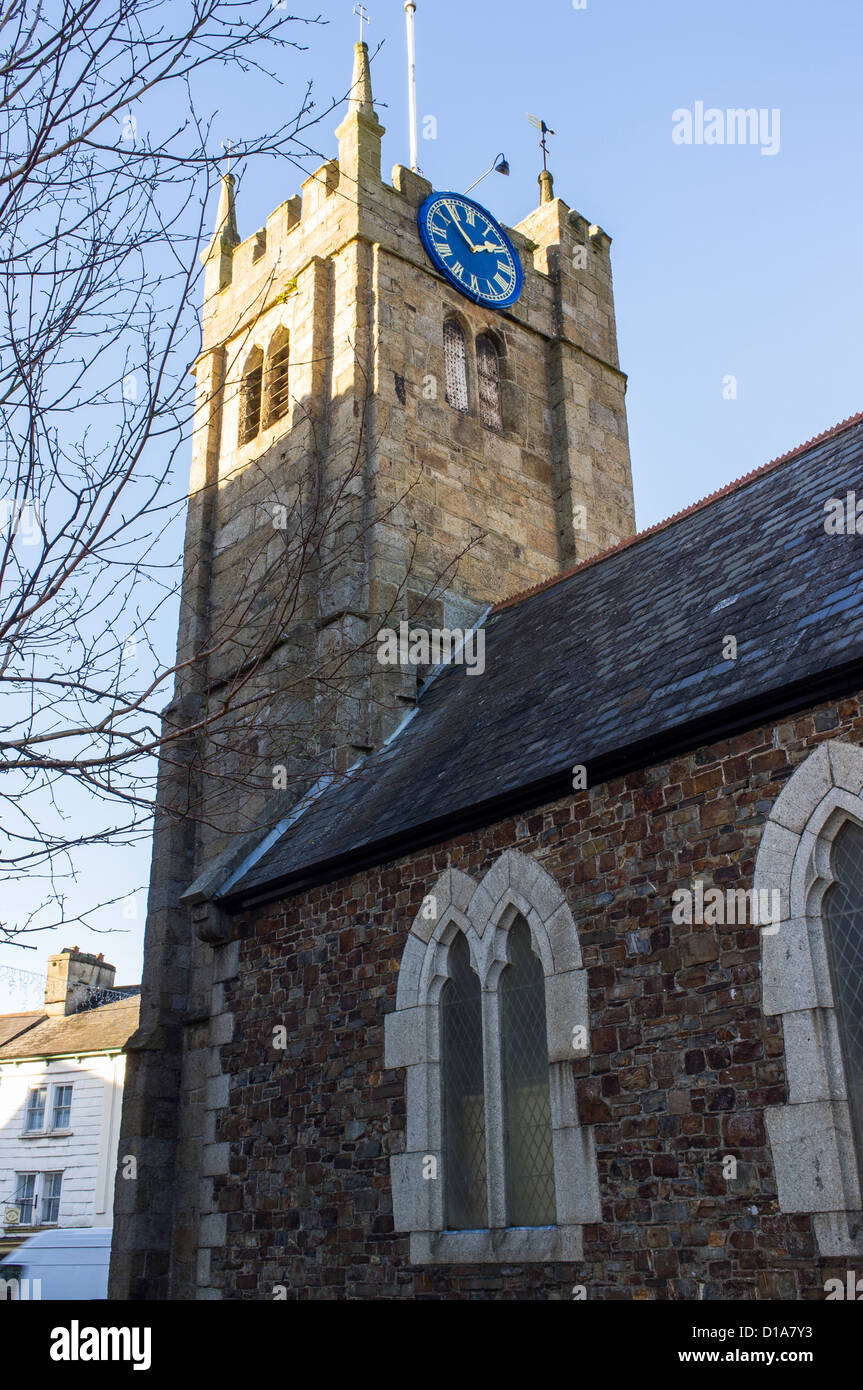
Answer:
(470, 249)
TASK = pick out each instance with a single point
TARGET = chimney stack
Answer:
(72, 975)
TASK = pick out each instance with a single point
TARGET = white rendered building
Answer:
(61, 1089)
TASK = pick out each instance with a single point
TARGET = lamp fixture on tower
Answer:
(500, 166)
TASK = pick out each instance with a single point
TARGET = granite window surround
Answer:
(811, 1136)
(514, 886)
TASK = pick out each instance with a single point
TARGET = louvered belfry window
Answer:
(843, 917)
(455, 358)
(488, 374)
(464, 1175)
(251, 393)
(528, 1150)
(279, 399)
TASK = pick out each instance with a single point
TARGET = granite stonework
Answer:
(687, 1065)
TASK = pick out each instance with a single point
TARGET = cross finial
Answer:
(228, 146)
(364, 16)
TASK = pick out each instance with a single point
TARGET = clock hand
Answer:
(463, 234)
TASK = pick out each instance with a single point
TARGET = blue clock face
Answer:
(470, 249)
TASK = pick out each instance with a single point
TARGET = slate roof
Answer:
(613, 661)
(13, 1025)
(95, 1030)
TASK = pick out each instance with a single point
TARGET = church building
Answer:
(527, 964)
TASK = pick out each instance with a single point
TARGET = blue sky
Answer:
(727, 262)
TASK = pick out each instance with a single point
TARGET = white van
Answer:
(68, 1263)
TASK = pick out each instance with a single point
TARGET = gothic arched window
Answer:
(496, 1167)
(455, 360)
(519, 1068)
(527, 1134)
(843, 917)
(278, 378)
(488, 374)
(810, 863)
(463, 1089)
(251, 393)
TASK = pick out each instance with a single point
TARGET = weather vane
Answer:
(546, 130)
(365, 18)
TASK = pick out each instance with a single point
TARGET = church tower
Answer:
(428, 456)
(370, 446)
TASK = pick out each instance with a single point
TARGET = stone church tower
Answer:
(369, 447)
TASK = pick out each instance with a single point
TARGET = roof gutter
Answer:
(63, 1056)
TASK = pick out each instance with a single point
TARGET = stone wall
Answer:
(682, 1068)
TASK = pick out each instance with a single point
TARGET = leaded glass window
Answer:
(528, 1150)
(843, 916)
(455, 359)
(251, 393)
(488, 374)
(465, 1188)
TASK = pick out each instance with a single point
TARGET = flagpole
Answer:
(410, 11)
